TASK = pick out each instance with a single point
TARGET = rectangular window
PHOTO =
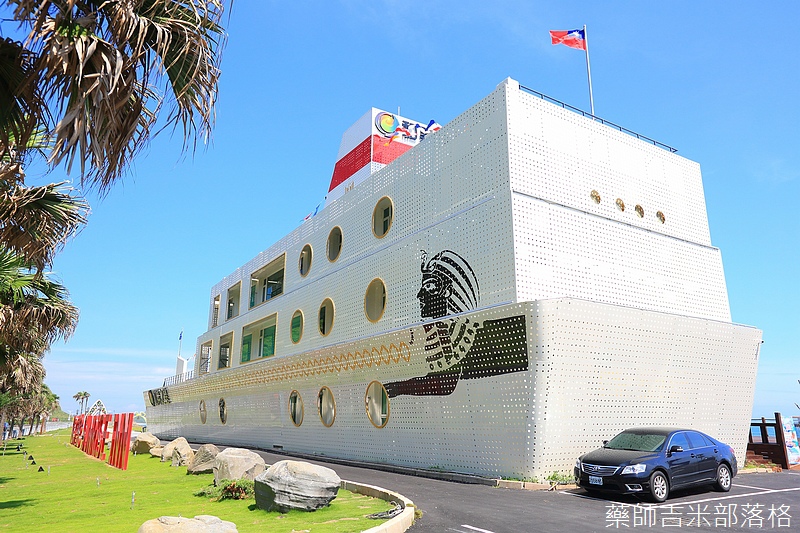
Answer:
(268, 341)
(234, 294)
(215, 313)
(247, 341)
(205, 359)
(273, 286)
(224, 356)
(259, 336)
(267, 282)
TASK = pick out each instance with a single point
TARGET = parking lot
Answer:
(756, 502)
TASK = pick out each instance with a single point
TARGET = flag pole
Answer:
(588, 68)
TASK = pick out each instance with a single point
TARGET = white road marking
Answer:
(473, 528)
(749, 487)
(771, 491)
(690, 502)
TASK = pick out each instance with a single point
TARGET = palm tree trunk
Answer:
(30, 429)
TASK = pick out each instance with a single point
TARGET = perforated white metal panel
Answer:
(603, 368)
(551, 379)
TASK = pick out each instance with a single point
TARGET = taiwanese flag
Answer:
(571, 38)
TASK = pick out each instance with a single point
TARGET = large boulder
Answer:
(166, 453)
(144, 442)
(182, 455)
(203, 461)
(296, 485)
(198, 524)
(237, 463)
(156, 451)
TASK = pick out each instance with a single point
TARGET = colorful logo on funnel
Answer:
(386, 123)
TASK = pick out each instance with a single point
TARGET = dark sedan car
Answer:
(654, 461)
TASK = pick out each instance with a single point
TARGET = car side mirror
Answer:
(605, 442)
(675, 449)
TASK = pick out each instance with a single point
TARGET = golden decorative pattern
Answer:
(240, 378)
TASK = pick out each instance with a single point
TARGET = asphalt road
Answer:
(757, 502)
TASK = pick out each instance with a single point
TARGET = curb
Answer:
(399, 523)
(758, 470)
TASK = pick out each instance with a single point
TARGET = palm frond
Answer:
(36, 221)
(22, 109)
(35, 310)
(98, 64)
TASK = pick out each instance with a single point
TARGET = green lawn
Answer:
(81, 493)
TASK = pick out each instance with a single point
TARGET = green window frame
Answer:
(247, 343)
(268, 341)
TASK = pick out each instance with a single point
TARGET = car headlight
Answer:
(578, 465)
(634, 469)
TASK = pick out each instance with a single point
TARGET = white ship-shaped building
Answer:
(497, 299)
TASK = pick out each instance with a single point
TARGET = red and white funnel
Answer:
(374, 141)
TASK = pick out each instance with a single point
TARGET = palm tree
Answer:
(86, 86)
(78, 397)
(20, 376)
(94, 76)
(86, 402)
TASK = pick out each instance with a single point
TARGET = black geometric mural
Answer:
(460, 348)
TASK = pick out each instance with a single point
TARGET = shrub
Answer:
(229, 489)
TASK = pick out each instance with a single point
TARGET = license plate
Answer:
(595, 480)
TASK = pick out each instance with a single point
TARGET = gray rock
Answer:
(182, 454)
(198, 524)
(203, 461)
(296, 485)
(144, 442)
(166, 453)
(237, 463)
(155, 451)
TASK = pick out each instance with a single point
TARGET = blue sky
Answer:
(717, 80)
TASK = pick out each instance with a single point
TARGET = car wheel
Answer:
(723, 478)
(659, 487)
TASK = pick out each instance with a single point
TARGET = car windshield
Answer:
(640, 442)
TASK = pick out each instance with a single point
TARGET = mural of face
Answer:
(449, 285)
(433, 295)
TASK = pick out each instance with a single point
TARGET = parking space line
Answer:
(749, 487)
(473, 528)
(730, 497)
(689, 502)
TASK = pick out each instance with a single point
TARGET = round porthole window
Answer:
(297, 326)
(639, 210)
(326, 407)
(375, 300)
(377, 404)
(595, 196)
(326, 311)
(660, 216)
(203, 412)
(382, 217)
(223, 411)
(296, 408)
(620, 204)
(334, 244)
(304, 263)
